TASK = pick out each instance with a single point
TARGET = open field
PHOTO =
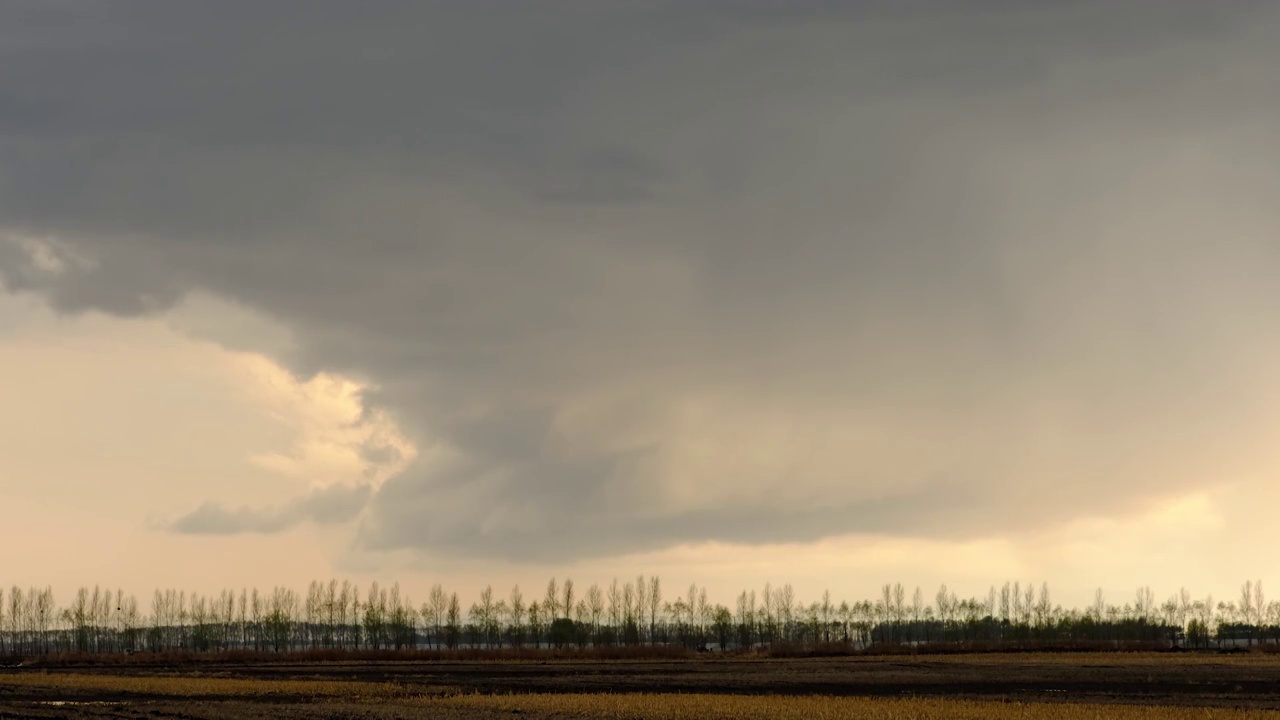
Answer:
(978, 686)
(624, 707)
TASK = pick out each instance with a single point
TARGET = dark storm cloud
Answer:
(409, 514)
(326, 506)
(645, 273)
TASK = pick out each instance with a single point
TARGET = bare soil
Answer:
(1152, 679)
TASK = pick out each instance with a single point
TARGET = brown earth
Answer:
(283, 690)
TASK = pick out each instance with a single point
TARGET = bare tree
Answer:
(551, 602)
(581, 615)
(786, 602)
(1028, 602)
(1005, 603)
(102, 621)
(1259, 602)
(655, 606)
(595, 606)
(487, 616)
(691, 603)
(705, 612)
(1017, 602)
(567, 605)
(453, 622)
(516, 608)
(826, 609)
(917, 606)
(1145, 603)
(536, 624)
(767, 603)
(642, 603)
(435, 611)
(1044, 607)
(629, 613)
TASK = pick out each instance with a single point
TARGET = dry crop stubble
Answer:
(766, 707)
(422, 696)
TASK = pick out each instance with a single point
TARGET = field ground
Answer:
(924, 687)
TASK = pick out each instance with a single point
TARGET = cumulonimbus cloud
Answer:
(645, 274)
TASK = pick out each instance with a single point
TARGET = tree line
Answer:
(337, 615)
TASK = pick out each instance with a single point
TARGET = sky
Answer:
(828, 293)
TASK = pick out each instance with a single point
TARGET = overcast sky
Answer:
(836, 293)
